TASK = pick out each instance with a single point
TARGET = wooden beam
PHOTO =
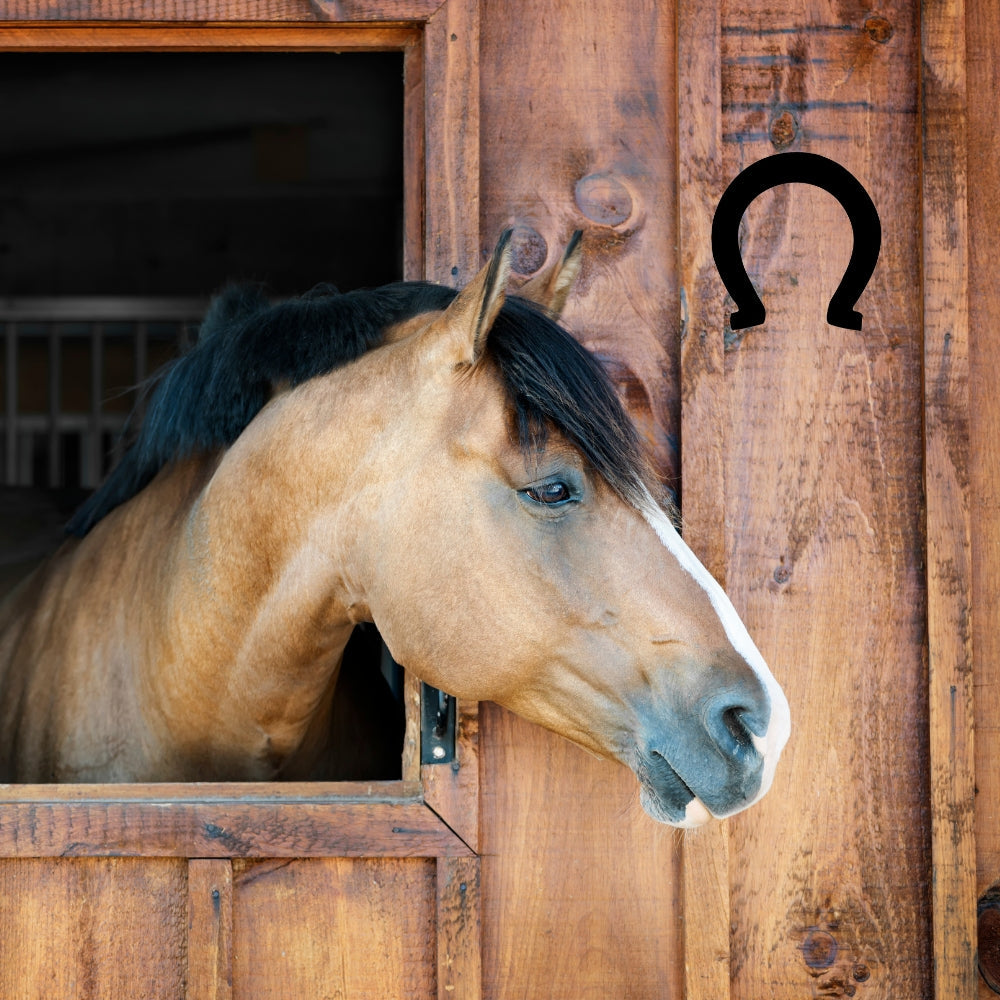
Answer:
(949, 565)
(459, 957)
(706, 895)
(218, 821)
(53, 36)
(210, 929)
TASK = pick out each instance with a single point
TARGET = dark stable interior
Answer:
(168, 175)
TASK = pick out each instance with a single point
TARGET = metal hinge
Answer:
(437, 726)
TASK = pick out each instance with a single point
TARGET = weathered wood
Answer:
(210, 929)
(451, 143)
(158, 10)
(983, 185)
(219, 10)
(138, 37)
(334, 928)
(452, 790)
(413, 161)
(946, 475)
(376, 10)
(109, 928)
(581, 891)
(222, 821)
(704, 428)
(820, 446)
(578, 133)
(459, 964)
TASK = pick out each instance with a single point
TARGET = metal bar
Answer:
(92, 467)
(55, 367)
(106, 309)
(10, 404)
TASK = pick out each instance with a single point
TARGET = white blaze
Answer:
(779, 728)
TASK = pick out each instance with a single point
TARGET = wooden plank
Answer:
(413, 161)
(949, 564)
(210, 929)
(983, 185)
(376, 10)
(706, 900)
(106, 928)
(452, 790)
(334, 928)
(219, 10)
(459, 945)
(581, 891)
(194, 821)
(57, 36)
(830, 874)
(451, 143)
(580, 888)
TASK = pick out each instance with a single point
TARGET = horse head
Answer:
(506, 541)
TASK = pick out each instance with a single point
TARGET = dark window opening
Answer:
(147, 181)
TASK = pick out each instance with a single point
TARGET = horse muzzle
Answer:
(711, 762)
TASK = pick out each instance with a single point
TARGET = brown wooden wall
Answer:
(843, 485)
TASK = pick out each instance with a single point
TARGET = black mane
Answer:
(246, 346)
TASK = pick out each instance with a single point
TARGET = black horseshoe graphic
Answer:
(789, 168)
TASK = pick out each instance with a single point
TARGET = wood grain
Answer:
(459, 945)
(578, 133)
(452, 790)
(76, 929)
(983, 184)
(451, 143)
(220, 822)
(210, 929)
(56, 36)
(376, 10)
(706, 901)
(334, 928)
(219, 10)
(949, 569)
(581, 890)
(821, 466)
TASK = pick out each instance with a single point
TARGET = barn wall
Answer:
(578, 126)
(823, 482)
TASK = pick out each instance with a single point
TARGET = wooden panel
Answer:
(459, 944)
(137, 37)
(334, 928)
(210, 929)
(219, 821)
(704, 412)
(451, 143)
(983, 138)
(218, 10)
(579, 886)
(820, 435)
(105, 928)
(452, 790)
(946, 422)
(578, 133)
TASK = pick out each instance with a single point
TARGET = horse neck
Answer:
(258, 605)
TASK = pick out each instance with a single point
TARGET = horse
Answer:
(452, 466)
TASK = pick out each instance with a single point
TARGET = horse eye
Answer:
(551, 494)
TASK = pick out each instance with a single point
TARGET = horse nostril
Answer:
(733, 720)
(736, 725)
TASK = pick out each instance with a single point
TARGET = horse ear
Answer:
(471, 315)
(550, 289)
